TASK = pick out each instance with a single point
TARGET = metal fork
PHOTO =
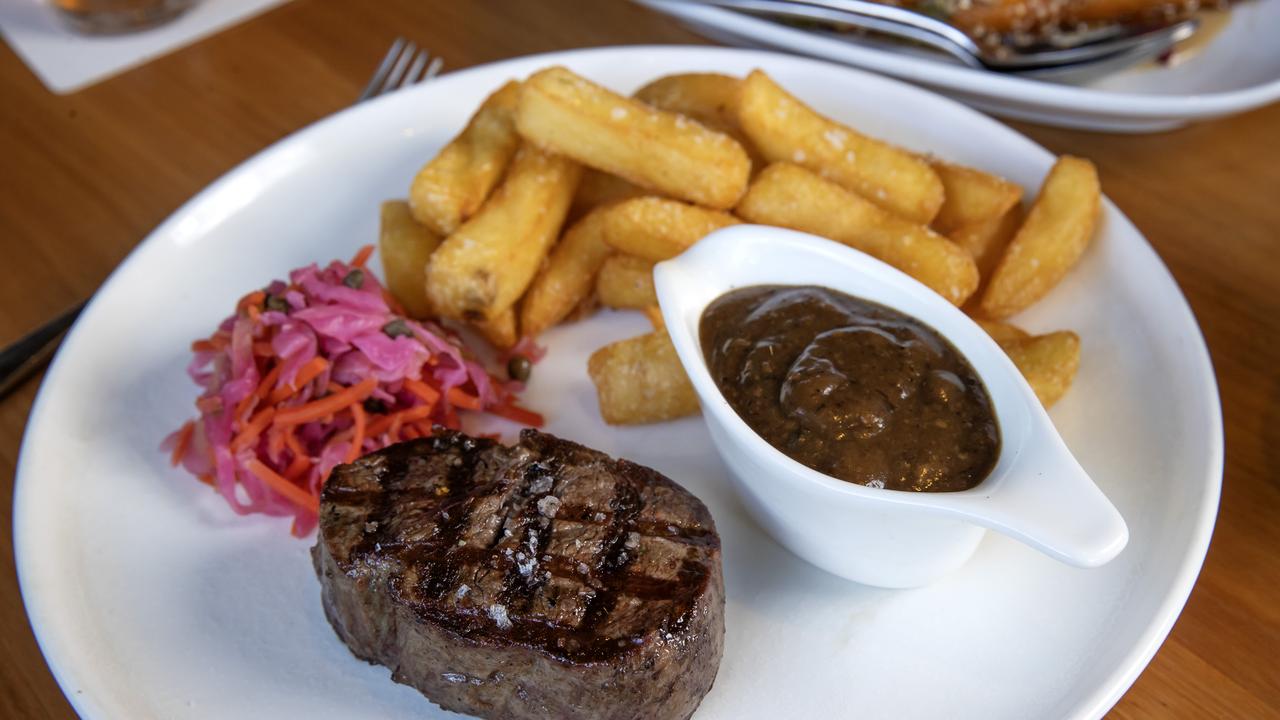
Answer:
(405, 64)
(1090, 54)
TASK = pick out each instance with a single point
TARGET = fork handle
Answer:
(25, 356)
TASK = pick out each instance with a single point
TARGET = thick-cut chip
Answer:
(1002, 332)
(641, 381)
(454, 184)
(568, 277)
(481, 270)
(657, 229)
(784, 129)
(1057, 231)
(406, 245)
(972, 197)
(1048, 362)
(709, 98)
(598, 189)
(626, 281)
(501, 332)
(790, 196)
(986, 240)
(570, 115)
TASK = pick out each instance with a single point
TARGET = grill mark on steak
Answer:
(456, 513)
(625, 504)
(525, 575)
(444, 560)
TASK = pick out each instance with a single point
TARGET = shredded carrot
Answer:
(283, 487)
(357, 441)
(518, 414)
(410, 433)
(386, 422)
(263, 348)
(258, 395)
(204, 346)
(327, 405)
(257, 297)
(268, 381)
(428, 394)
(301, 461)
(362, 256)
(297, 467)
(463, 400)
(292, 442)
(206, 479)
(211, 404)
(249, 434)
(182, 441)
(309, 371)
(394, 304)
(275, 443)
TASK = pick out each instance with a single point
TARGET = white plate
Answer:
(151, 599)
(1239, 70)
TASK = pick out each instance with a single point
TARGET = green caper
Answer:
(397, 328)
(276, 303)
(519, 368)
(354, 279)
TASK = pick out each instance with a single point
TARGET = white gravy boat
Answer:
(1037, 493)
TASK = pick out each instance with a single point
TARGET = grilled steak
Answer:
(542, 580)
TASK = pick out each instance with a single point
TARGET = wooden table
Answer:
(84, 177)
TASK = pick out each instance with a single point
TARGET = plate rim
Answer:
(1046, 96)
(1090, 705)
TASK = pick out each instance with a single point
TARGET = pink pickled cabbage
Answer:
(342, 314)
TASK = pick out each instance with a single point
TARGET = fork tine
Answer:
(397, 71)
(415, 69)
(434, 68)
(381, 73)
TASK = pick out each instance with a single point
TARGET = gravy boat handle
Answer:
(1041, 496)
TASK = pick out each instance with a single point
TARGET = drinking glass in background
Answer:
(111, 17)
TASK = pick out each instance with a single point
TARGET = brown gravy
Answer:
(851, 388)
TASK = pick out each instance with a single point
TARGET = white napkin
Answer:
(66, 62)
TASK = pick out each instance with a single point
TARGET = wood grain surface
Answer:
(84, 177)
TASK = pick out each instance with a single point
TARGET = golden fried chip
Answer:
(455, 183)
(1048, 362)
(784, 129)
(641, 381)
(657, 229)
(568, 277)
(1057, 230)
(626, 281)
(793, 197)
(570, 115)
(405, 245)
(972, 197)
(480, 270)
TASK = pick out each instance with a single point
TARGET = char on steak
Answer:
(540, 580)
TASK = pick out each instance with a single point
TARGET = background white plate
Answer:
(1239, 70)
(151, 599)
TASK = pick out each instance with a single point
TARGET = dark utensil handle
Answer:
(24, 357)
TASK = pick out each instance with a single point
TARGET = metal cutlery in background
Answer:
(1093, 53)
(22, 358)
(404, 65)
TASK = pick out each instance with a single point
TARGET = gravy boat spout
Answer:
(1037, 492)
